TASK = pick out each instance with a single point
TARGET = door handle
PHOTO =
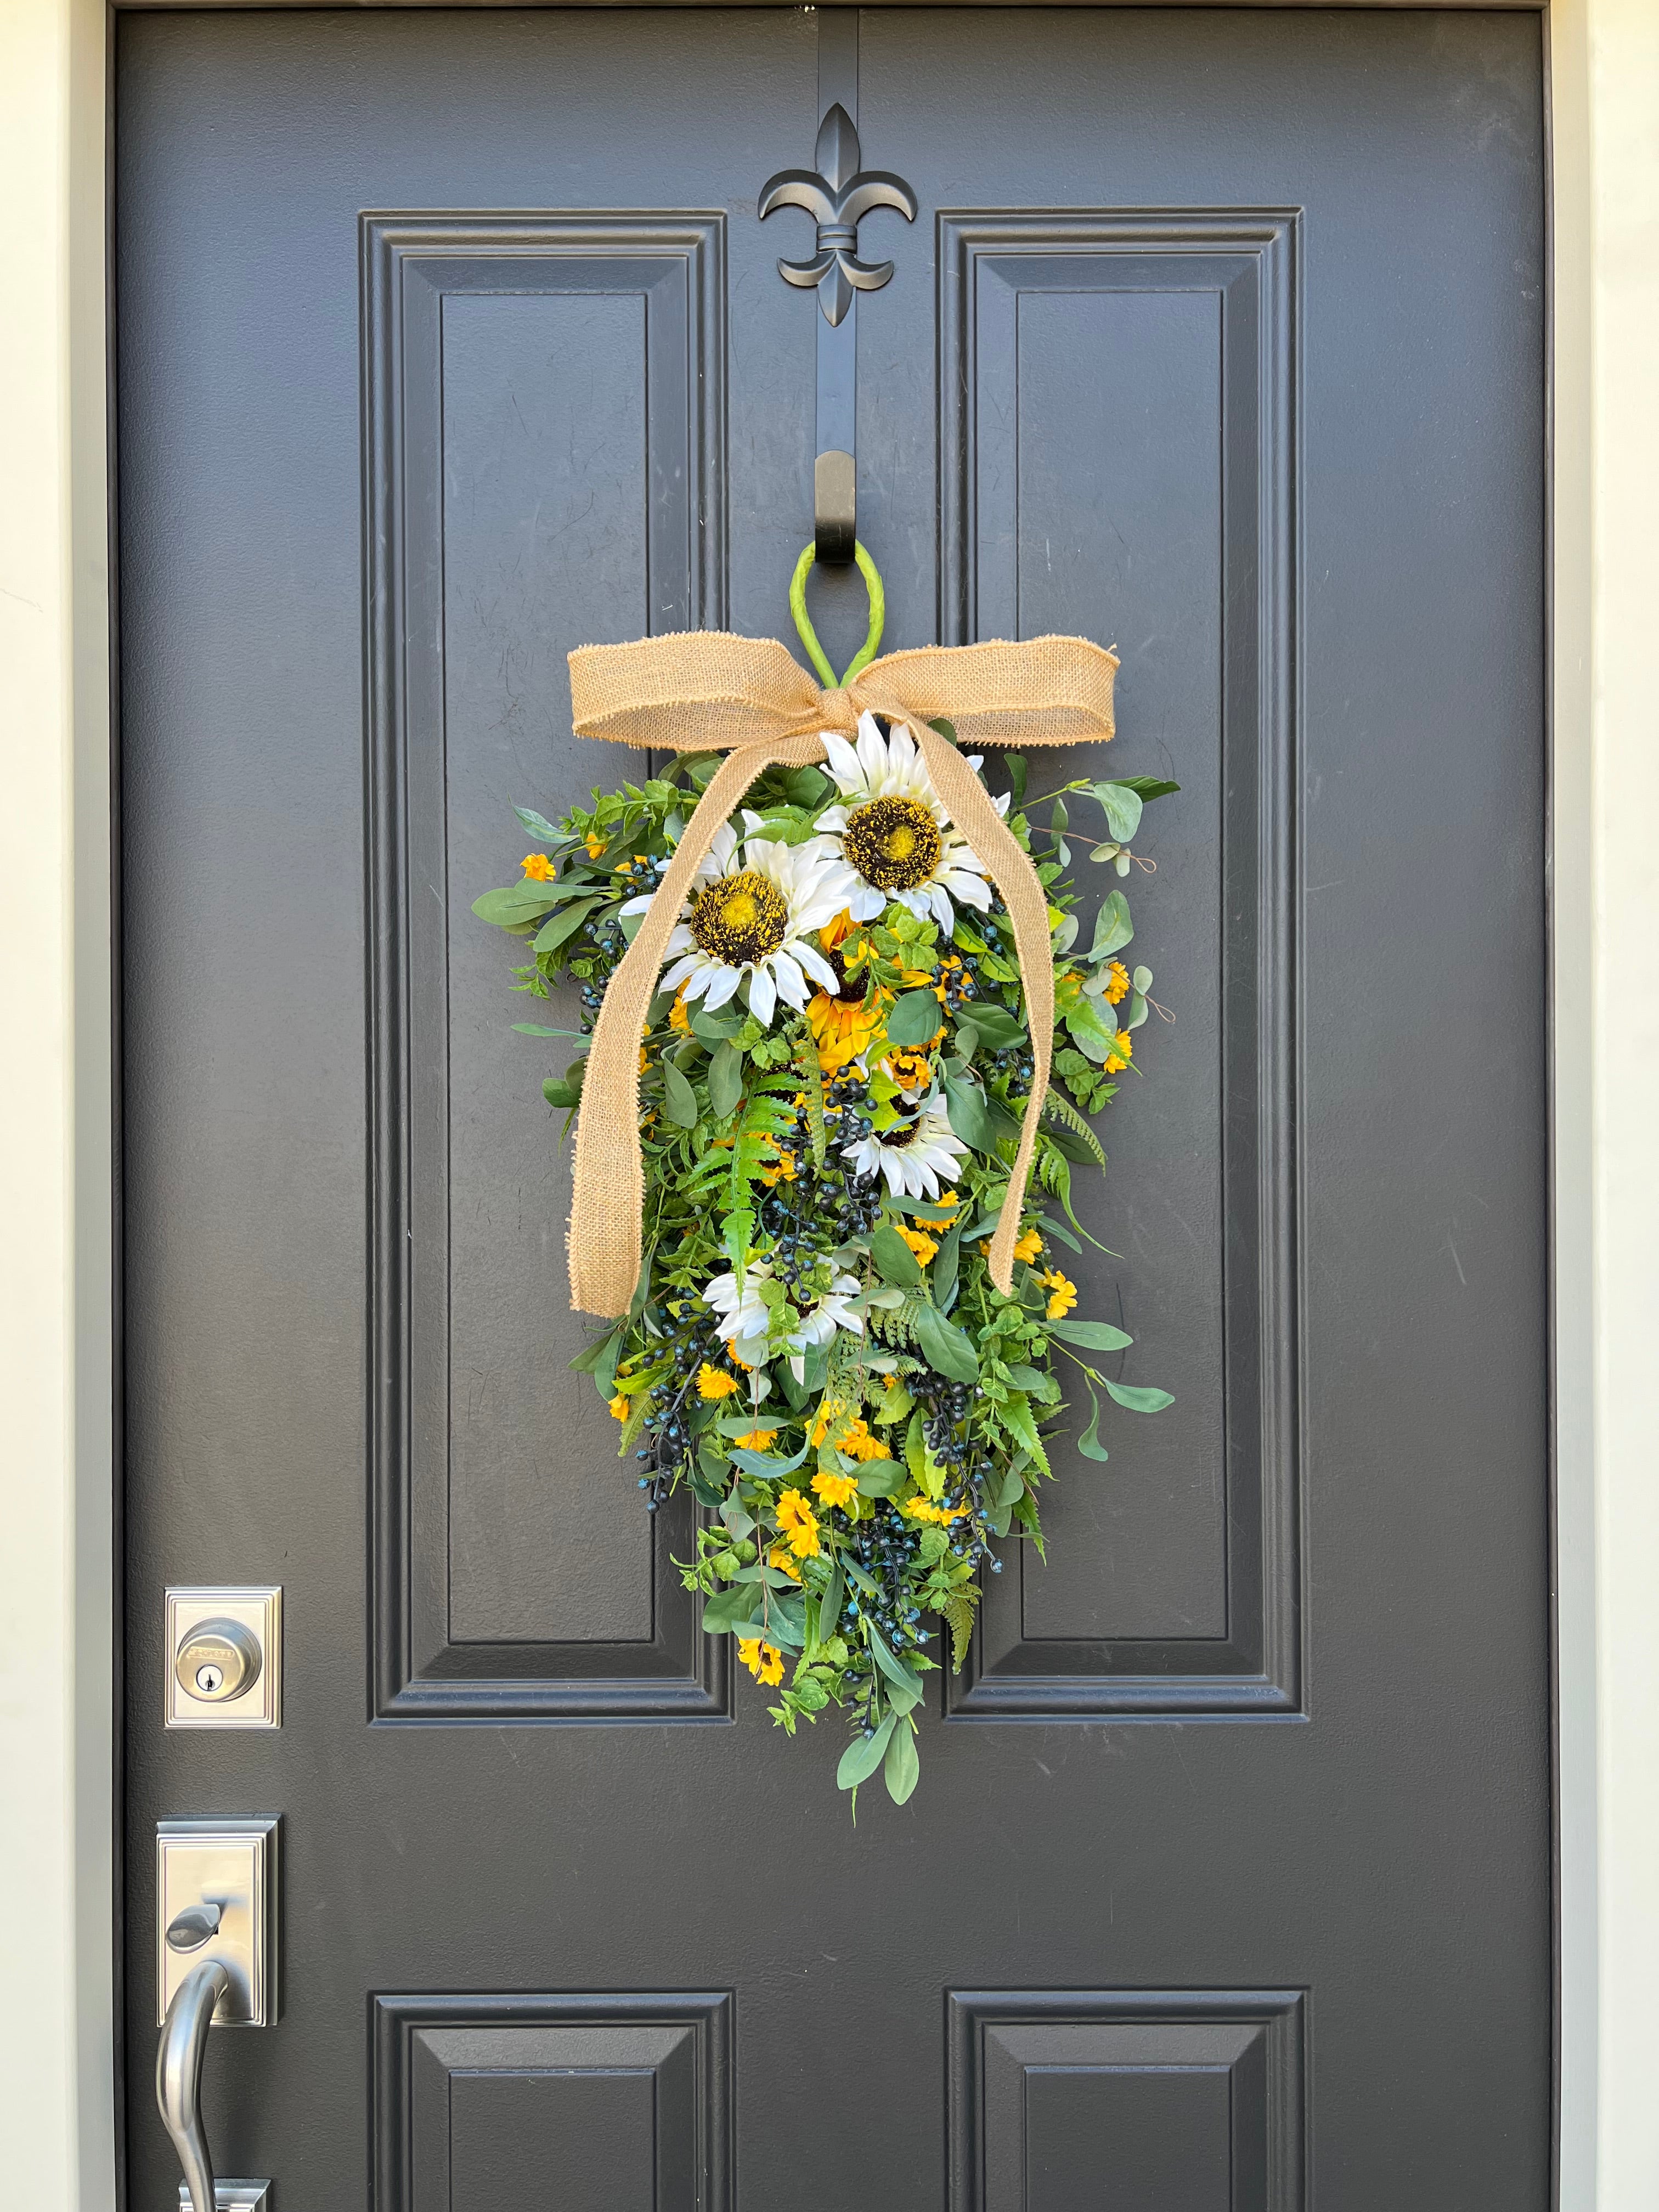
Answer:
(178, 2076)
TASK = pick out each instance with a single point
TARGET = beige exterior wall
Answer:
(57, 1585)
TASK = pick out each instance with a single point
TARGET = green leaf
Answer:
(1073, 1136)
(560, 1094)
(830, 1604)
(1122, 805)
(915, 1018)
(588, 1361)
(1088, 1442)
(944, 1346)
(995, 1024)
(762, 1464)
(713, 1029)
(725, 1080)
(903, 1764)
(679, 1100)
(732, 1609)
(894, 1259)
(946, 1261)
(1139, 1399)
(1113, 928)
(538, 826)
(1147, 786)
(1093, 1034)
(1016, 1416)
(977, 1120)
(946, 730)
(535, 1029)
(864, 1755)
(880, 1478)
(906, 1690)
(1017, 776)
(514, 906)
(1091, 1335)
(559, 928)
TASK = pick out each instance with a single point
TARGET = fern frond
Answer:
(1063, 1110)
(812, 1076)
(959, 1611)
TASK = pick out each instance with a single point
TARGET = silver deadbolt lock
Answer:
(224, 1657)
(218, 1659)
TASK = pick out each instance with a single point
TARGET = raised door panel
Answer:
(1117, 459)
(544, 425)
(1153, 2100)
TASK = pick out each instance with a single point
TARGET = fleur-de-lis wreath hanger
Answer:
(837, 194)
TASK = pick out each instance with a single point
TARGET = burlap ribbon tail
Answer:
(749, 697)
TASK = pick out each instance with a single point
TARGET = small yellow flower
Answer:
(1117, 983)
(911, 1071)
(778, 1557)
(713, 1383)
(595, 844)
(835, 1489)
(764, 1661)
(538, 867)
(758, 1440)
(923, 1509)
(644, 1059)
(619, 1407)
(948, 1200)
(859, 1444)
(1062, 1293)
(798, 1521)
(677, 1018)
(1121, 1053)
(842, 1028)
(784, 1171)
(830, 1412)
(1029, 1246)
(922, 1245)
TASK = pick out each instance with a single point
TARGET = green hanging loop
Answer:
(809, 636)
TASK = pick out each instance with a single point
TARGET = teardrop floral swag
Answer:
(833, 1073)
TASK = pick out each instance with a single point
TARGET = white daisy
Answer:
(745, 1318)
(913, 1156)
(754, 915)
(893, 832)
(832, 1309)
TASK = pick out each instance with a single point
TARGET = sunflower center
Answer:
(901, 1134)
(894, 843)
(740, 919)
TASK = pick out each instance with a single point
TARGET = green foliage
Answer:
(874, 1389)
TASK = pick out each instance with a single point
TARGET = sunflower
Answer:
(893, 832)
(752, 911)
(745, 1319)
(764, 1661)
(912, 1155)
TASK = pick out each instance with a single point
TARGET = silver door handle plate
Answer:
(215, 1900)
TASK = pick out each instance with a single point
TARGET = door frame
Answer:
(60, 1640)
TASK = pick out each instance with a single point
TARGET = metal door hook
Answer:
(178, 2076)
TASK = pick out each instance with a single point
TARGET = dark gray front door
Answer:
(450, 341)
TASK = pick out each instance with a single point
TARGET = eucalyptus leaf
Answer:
(864, 1755)
(906, 1690)
(732, 1609)
(902, 1765)
(1148, 786)
(725, 1080)
(894, 1259)
(560, 1094)
(538, 826)
(1120, 803)
(679, 1100)
(830, 1603)
(1139, 1399)
(713, 1029)
(977, 1120)
(1088, 1442)
(915, 1018)
(515, 905)
(880, 1478)
(764, 1466)
(1113, 928)
(535, 1029)
(946, 1262)
(1092, 1032)
(585, 1363)
(999, 1029)
(1091, 1335)
(945, 1347)
(559, 928)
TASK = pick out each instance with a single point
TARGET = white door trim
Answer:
(58, 1535)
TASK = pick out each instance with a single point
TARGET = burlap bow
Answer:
(707, 690)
